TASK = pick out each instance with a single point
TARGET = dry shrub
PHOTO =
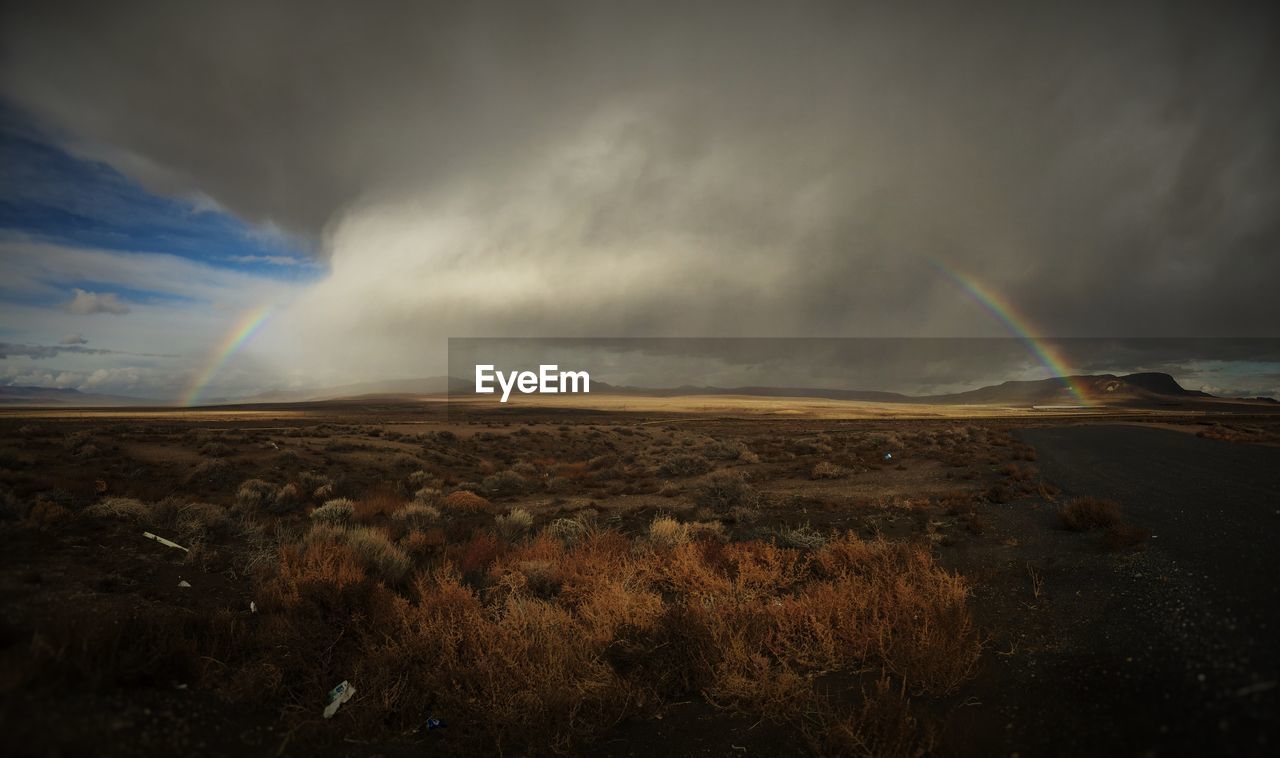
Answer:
(667, 532)
(1085, 513)
(322, 571)
(801, 536)
(377, 504)
(417, 516)
(339, 511)
(568, 530)
(427, 496)
(198, 522)
(543, 645)
(424, 542)
(684, 464)
(514, 524)
(122, 508)
(724, 490)
(475, 555)
(255, 494)
(465, 502)
(505, 484)
(377, 552)
(825, 470)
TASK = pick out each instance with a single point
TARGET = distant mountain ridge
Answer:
(1150, 388)
(20, 395)
(1055, 390)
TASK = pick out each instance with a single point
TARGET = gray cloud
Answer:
(725, 168)
(85, 303)
(74, 339)
(52, 351)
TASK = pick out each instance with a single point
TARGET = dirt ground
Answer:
(1132, 639)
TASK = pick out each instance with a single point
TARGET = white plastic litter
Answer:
(888, 456)
(163, 541)
(184, 583)
(337, 696)
(253, 607)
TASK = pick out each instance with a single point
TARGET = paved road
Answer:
(1208, 622)
(1214, 506)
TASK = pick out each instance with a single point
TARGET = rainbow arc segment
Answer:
(1018, 326)
(238, 337)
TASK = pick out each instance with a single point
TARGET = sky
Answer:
(364, 180)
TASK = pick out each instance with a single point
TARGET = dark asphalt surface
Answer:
(1212, 618)
(1213, 506)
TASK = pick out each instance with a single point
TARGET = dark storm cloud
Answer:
(1112, 169)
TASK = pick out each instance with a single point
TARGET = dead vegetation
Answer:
(539, 585)
(1087, 513)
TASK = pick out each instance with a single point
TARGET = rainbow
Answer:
(1017, 325)
(245, 328)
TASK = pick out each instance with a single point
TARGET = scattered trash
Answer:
(435, 724)
(184, 583)
(277, 447)
(888, 456)
(181, 686)
(337, 696)
(253, 607)
(163, 541)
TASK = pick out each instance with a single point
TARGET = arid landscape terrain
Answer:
(637, 583)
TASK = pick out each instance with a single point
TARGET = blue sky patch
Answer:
(48, 194)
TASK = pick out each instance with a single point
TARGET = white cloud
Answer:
(85, 303)
(170, 336)
(73, 339)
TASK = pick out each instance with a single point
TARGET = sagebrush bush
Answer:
(123, 508)
(428, 496)
(198, 522)
(504, 484)
(255, 494)
(377, 553)
(514, 523)
(337, 511)
(417, 516)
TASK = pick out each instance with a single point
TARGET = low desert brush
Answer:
(514, 524)
(417, 516)
(255, 494)
(724, 490)
(338, 511)
(464, 501)
(122, 508)
(1086, 513)
(826, 470)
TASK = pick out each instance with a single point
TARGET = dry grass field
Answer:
(572, 582)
